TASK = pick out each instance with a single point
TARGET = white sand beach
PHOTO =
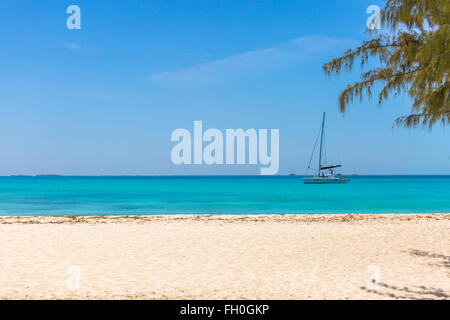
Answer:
(400, 256)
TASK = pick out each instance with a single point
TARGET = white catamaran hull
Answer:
(321, 180)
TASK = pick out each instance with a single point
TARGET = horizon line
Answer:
(206, 175)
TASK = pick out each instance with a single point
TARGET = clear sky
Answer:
(105, 99)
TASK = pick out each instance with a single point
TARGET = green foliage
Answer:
(413, 57)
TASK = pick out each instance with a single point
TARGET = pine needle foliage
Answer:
(413, 57)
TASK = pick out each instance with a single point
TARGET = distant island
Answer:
(48, 175)
(37, 175)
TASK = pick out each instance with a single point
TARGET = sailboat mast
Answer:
(321, 140)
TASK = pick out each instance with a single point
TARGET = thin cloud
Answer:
(252, 62)
(83, 49)
(71, 46)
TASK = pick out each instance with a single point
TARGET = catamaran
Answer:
(326, 173)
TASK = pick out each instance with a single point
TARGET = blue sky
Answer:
(104, 100)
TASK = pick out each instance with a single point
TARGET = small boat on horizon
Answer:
(323, 176)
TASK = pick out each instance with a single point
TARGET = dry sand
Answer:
(226, 257)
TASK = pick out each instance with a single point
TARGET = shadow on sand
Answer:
(420, 292)
(439, 260)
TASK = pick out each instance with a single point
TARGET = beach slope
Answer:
(398, 256)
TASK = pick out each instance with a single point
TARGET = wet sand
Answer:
(392, 256)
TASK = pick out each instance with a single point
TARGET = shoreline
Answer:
(339, 217)
(351, 256)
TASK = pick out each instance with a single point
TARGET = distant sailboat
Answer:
(322, 176)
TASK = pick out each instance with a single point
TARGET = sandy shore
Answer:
(226, 257)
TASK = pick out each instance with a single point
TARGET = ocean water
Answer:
(220, 195)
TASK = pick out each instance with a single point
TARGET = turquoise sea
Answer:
(220, 195)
